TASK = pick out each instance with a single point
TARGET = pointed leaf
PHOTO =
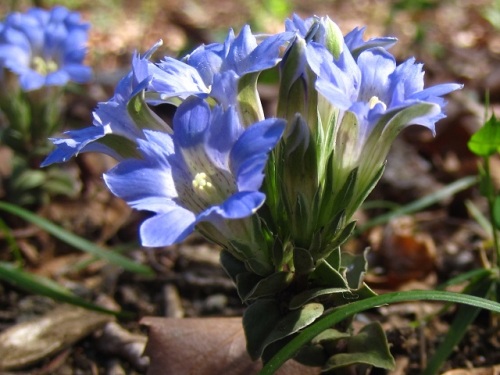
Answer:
(368, 347)
(293, 322)
(258, 320)
(486, 141)
(326, 275)
(269, 286)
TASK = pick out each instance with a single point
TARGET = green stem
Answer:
(341, 313)
(491, 200)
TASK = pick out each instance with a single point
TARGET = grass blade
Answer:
(420, 204)
(47, 287)
(76, 241)
(463, 319)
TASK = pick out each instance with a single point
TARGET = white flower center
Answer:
(43, 66)
(374, 100)
(201, 182)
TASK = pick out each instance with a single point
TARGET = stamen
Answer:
(201, 182)
(42, 66)
(374, 100)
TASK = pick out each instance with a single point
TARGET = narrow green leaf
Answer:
(463, 319)
(76, 241)
(496, 212)
(302, 298)
(420, 204)
(339, 314)
(46, 287)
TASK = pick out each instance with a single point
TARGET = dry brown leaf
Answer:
(29, 342)
(495, 370)
(204, 346)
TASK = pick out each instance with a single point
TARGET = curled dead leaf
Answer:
(204, 346)
(27, 343)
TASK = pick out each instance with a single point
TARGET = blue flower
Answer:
(111, 117)
(215, 69)
(208, 171)
(372, 86)
(44, 48)
(374, 99)
(316, 29)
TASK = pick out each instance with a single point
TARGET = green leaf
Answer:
(486, 141)
(266, 287)
(327, 276)
(263, 323)
(46, 287)
(355, 268)
(293, 322)
(302, 298)
(368, 347)
(76, 241)
(337, 315)
(258, 320)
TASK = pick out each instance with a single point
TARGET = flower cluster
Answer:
(276, 193)
(44, 47)
(342, 101)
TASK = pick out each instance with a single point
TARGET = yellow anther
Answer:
(374, 100)
(42, 66)
(201, 182)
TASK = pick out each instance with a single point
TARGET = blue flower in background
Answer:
(44, 47)
(210, 169)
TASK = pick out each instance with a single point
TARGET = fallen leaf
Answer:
(495, 370)
(204, 346)
(28, 342)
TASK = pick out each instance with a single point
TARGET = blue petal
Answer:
(376, 66)
(78, 73)
(191, 121)
(57, 78)
(266, 54)
(69, 147)
(256, 142)
(31, 80)
(167, 228)
(238, 206)
(241, 47)
(224, 131)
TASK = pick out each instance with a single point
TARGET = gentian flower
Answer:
(376, 99)
(112, 117)
(208, 171)
(216, 69)
(44, 48)
(320, 30)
